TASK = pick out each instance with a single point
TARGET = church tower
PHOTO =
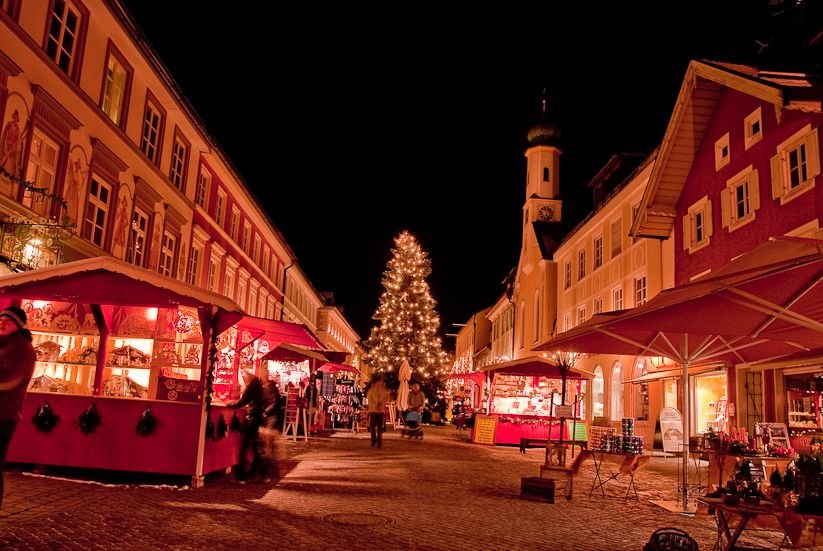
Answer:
(542, 171)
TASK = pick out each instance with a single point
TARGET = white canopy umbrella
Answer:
(403, 390)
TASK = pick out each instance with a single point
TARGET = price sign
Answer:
(484, 429)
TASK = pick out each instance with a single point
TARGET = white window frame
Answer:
(114, 88)
(168, 250)
(742, 192)
(195, 254)
(752, 128)
(567, 321)
(567, 274)
(616, 232)
(597, 306)
(228, 284)
(177, 169)
(258, 243)
(697, 225)
(220, 207)
(640, 291)
(41, 170)
(722, 152)
(617, 298)
(62, 41)
(150, 134)
(246, 237)
(98, 206)
(598, 252)
(581, 315)
(234, 223)
(138, 231)
(581, 264)
(203, 184)
(796, 165)
(211, 279)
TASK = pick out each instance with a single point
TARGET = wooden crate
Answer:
(537, 489)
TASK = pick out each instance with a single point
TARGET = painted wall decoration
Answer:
(76, 181)
(12, 141)
(120, 232)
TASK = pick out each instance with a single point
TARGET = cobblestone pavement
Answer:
(338, 492)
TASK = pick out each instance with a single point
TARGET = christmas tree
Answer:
(407, 322)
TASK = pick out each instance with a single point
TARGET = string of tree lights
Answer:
(407, 323)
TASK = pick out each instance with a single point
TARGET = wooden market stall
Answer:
(126, 360)
(524, 395)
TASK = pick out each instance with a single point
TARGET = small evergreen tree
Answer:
(408, 324)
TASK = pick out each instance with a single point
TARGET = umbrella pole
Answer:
(686, 425)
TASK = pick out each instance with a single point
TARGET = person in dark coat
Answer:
(16, 368)
(254, 400)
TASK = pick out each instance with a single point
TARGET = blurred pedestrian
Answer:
(253, 399)
(16, 368)
(377, 398)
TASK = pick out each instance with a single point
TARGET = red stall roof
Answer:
(279, 331)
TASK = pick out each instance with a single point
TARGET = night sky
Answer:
(352, 121)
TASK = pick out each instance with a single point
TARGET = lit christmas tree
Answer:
(407, 322)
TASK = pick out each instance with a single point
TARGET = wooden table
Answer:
(627, 465)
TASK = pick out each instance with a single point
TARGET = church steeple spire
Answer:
(544, 132)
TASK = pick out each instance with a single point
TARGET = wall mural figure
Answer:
(76, 180)
(11, 144)
(121, 223)
(156, 239)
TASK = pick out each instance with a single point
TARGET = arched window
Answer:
(522, 319)
(536, 320)
(545, 174)
(598, 387)
(617, 392)
(640, 392)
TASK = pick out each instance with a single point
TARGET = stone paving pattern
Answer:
(438, 493)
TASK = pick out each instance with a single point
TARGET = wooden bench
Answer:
(541, 443)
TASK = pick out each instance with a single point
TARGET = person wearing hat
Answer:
(253, 399)
(16, 368)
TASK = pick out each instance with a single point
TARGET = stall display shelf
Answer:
(65, 362)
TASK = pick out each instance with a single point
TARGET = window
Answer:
(241, 293)
(152, 128)
(211, 279)
(194, 265)
(697, 225)
(234, 223)
(115, 85)
(246, 237)
(266, 256)
(617, 298)
(545, 174)
(597, 306)
(40, 171)
(167, 253)
(567, 275)
(567, 322)
(598, 392)
(536, 317)
(252, 309)
(581, 264)
(752, 128)
(522, 320)
(617, 238)
(63, 37)
(617, 392)
(97, 211)
(639, 290)
(179, 160)
(721, 152)
(220, 208)
(581, 314)
(228, 284)
(796, 164)
(136, 249)
(740, 199)
(598, 252)
(635, 213)
(256, 252)
(203, 184)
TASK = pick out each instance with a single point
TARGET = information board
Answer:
(772, 434)
(484, 429)
(671, 426)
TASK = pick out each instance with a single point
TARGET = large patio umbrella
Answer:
(404, 374)
(763, 305)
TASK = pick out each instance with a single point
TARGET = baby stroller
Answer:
(414, 422)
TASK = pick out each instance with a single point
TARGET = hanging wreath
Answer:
(44, 418)
(209, 428)
(88, 420)
(235, 425)
(147, 423)
(222, 428)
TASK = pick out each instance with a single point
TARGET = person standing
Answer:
(377, 398)
(417, 400)
(16, 368)
(254, 400)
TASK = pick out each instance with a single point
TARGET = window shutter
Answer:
(725, 213)
(777, 180)
(687, 231)
(709, 225)
(813, 153)
(754, 190)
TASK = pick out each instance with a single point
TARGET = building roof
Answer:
(693, 111)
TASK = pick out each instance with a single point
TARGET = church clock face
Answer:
(546, 213)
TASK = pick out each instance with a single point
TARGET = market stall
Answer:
(524, 395)
(126, 359)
